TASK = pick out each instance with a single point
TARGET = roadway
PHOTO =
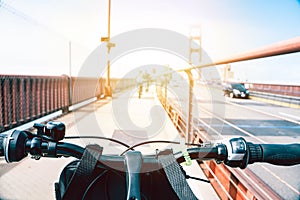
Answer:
(257, 122)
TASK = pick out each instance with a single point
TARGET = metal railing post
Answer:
(189, 125)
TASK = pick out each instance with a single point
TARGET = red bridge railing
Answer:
(25, 98)
(281, 89)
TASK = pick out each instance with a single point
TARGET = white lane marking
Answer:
(265, 113)
(245, 132)
(257, 126)
(288, 115)
(283, 181)
(210, 128)
(234, 126)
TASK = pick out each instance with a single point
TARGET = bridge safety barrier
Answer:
(26, 98)
(280, 89)
(284, 95)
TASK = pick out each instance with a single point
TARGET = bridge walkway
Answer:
(31, 179)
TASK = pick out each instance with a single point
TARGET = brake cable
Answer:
(101, 138)
(158, 141)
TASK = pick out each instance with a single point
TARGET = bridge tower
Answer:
(195, 48)
(228, 75)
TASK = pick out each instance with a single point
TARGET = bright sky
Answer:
(35, 34)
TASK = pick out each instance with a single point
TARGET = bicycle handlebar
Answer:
(234, 152)
(276, 154)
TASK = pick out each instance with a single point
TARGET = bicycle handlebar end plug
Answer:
(13, 152)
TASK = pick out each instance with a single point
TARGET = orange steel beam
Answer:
(280, 48)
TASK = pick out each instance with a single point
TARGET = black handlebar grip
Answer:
(276, 154)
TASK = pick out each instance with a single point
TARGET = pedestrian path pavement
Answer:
(125, 117)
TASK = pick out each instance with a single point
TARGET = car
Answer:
(237, 90)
